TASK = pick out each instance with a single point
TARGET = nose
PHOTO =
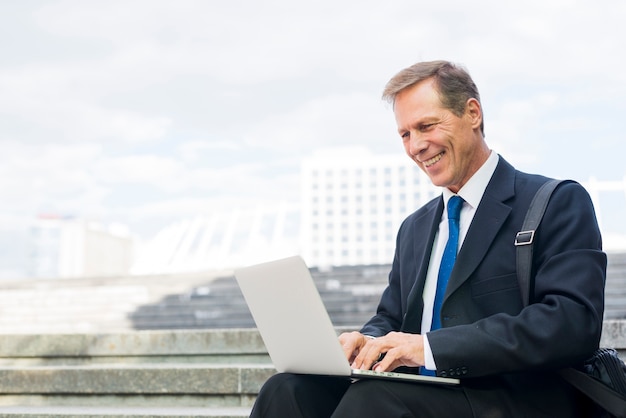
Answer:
(415, 144)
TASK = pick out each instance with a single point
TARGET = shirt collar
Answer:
(472, 192)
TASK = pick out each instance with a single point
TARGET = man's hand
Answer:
(398, 348)
(352, 342)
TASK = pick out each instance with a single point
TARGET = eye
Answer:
(405, 135)
(426, 127)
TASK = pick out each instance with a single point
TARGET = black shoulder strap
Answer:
(525, 238)
(599, 392)
(602, 394)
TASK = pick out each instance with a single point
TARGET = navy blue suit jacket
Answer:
(488, 338)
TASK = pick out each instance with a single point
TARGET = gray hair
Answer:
(453, 83)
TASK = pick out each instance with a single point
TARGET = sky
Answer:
(143, 113)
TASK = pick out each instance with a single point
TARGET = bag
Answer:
(605, 366)
(603, 376)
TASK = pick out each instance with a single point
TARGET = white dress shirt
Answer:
(472, 193)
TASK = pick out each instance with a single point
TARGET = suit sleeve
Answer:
(389, 313)
(562, 325)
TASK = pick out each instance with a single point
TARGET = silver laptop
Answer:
(295, 326)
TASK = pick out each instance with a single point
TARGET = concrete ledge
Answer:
(127, 401)
(173, 373)
(133, 343)
(98, 412)
(614, 334)
(178, 344)
(143, 379)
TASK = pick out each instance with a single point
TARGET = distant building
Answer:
(69, 247)
(353, 203)
(351, 206)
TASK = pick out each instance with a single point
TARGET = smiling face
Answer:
(449, 148)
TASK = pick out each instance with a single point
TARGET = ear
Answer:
(474, 112)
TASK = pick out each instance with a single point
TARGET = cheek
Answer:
(408, 153)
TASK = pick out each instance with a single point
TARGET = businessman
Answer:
(452, 306)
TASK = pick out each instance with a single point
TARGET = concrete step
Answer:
(129, 379)
(178, 346)
(38, 402)
(213, 373)
(127, 412)
(146, 373)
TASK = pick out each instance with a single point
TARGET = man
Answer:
(506, 355)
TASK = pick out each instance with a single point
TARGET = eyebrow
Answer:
(426, 120)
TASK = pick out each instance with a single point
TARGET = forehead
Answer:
(416, 102)
(425, 92)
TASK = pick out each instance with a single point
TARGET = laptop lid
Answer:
(291, 317)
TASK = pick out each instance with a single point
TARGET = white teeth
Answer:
(433, 160)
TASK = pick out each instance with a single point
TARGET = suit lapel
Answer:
(422, 250)
(488, 220)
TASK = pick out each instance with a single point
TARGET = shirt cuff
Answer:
(429, 360)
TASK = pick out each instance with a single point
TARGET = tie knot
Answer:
(454, 207)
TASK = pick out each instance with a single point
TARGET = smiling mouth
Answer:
(433, 160)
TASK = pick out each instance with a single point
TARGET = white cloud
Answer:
(51, 98)
(159, 171)
(349, 119)
(192, 151)
(48, 178)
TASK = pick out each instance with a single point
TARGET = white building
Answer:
(69, 247)
(353, 203)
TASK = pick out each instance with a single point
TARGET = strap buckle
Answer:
(524, 237)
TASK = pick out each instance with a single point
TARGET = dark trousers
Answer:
(290, 395)
(307, 396)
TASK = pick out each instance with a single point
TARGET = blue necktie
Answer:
(449, 256)
(447, 262)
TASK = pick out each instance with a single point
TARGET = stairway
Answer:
(350, 295)
(171, 345)
(204, 300)
(169, 373)
(134, 374)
